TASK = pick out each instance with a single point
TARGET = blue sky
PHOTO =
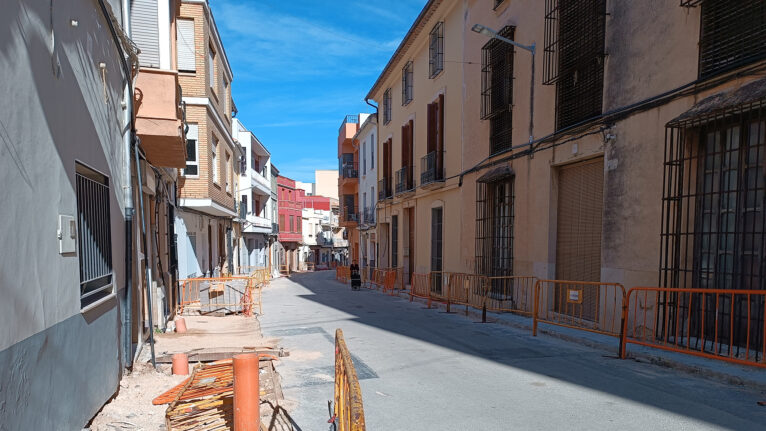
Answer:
(301, 66)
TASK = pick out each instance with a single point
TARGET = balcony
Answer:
(404, 181)
(257, 224)
(384, 189)
(159, 118)
(430, 175)
(350, 170)
(348, 129)
(260, 184)
(369, 216)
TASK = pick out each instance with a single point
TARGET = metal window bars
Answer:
(714, 227)
(384, 189)
(407, 83)
(387, 106)
(436, 50)
(497, 90)
(575, 37)
(348, 166)
(94, 235)
(494, 227)
(732, 34)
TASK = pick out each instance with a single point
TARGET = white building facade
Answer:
(255, 201)
(368, 198)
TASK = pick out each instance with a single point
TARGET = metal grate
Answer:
(94, 235)
(404, 180)
(394, 241)
(550, 43)
(407, 83)
(690, 3)
(578, 54)
(437, 233)
(436, 50)
(497, 90)
(714, 227)
(494, 227)
(387, 106)
(733, 34)
(384, 189)
(429, 173)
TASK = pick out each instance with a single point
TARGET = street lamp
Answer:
(490, 33)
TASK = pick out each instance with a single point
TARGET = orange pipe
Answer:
(181, 364)
(247, 403)
(180, 325)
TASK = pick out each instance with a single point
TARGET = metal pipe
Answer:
(147, 267)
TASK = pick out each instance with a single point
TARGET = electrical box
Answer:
(67, 234)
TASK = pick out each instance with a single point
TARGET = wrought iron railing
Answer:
(384, 189)
(404, 180)
(428, 171)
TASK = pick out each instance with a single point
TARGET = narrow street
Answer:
(424, 369)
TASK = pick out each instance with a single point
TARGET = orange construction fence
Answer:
(588, 305)
(238, 294)
(348, 411)
(728, 325)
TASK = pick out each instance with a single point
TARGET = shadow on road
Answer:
(662, 388)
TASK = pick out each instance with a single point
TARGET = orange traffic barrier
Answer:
(514, 294)
(589, 306)
(247, 393)
(722, 324)
(343, 274)
(348, 410)
(466, 289)
(181, 364)
(222, 294)
(420, 286)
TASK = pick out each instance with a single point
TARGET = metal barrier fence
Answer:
(348, 411)
(590, 306)
(342, 274)
(310, 266)
(722, 324)
(420, 286)
(511, 294)
(221, 294)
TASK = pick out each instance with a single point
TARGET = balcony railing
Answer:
(404, 180)
(275, 228)
(384, 189)
(369, 215)
(350, 170)
(428, 172)
(350, 216)
(353, 119)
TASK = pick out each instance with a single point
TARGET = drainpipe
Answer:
(147, 269)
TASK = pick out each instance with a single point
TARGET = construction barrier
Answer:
(511, 294)
(722, 324)
(221, 294)
(465, 289)
(590, 306)
(342, 274)
(310, 266)
(348, 411)
(284, 270)
(420, 286)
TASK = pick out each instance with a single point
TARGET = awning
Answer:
(724, 104)
(496, 174)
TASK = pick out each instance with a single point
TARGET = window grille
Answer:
(574, 57)
(407, 83)
(436, 50)
(714, 226)
(387, 106)
(494, 227)
(436, 238)
(497, 90)
(394, 241)
(94, 235)
(732, 34)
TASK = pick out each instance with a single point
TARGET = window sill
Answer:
(101, 301)
(408, 102)
(184, 73)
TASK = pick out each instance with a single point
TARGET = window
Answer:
(282, 225)
(732, 34)
(574, 58)
(387, 106)
(494, 226)
(372, 152)
(364, 159)
(497, 3)
(226, 108)
(192, 149)
(436, 50)
(211, 68)
(404, 176)
(94, 235)
(292, 223)
(714, 223)
(214, 160)
(436, 238)
(497, 90)
(432, 164)
(145, 31)
(243, 202)
(185, 45)
(394, 241)
(407, 83)
(227, 169)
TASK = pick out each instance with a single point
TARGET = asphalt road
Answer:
(423, 369)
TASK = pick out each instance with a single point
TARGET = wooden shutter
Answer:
(410, 155)
(578, 244)
(145, 31)
(440, 138)
(431, 128)
(185, 35)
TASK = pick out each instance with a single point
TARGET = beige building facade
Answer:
(645, 160)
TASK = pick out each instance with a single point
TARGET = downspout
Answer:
(147, 267)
